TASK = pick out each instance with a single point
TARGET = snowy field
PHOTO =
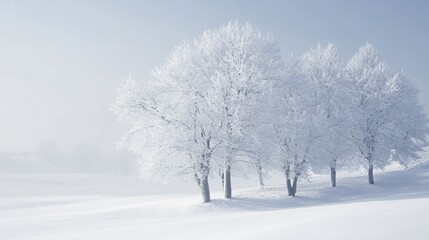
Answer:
(49, 206)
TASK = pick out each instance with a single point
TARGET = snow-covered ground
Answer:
(73, 206)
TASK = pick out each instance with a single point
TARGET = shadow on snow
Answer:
(395, 185)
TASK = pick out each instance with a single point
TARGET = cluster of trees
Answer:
(227, 97)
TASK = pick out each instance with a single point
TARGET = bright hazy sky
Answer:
(60, 61)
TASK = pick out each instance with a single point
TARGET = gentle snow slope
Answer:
(101, 207)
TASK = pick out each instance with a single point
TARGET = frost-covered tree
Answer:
(309, 115)
(174, 132)
(387, 121)
(322, 68)
(297, 123)
(373, 101)
(408, 129)
(240, 63)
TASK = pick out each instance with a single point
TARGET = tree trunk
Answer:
(371, 174)
(260, 177)
(205, 190)
(294, 186)
(227, 180)
(289, 187)
(288, 182)
(222, 177)
(333, 177)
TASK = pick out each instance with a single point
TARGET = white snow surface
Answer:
(77, 206)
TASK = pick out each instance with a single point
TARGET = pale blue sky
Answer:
(61, 60)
